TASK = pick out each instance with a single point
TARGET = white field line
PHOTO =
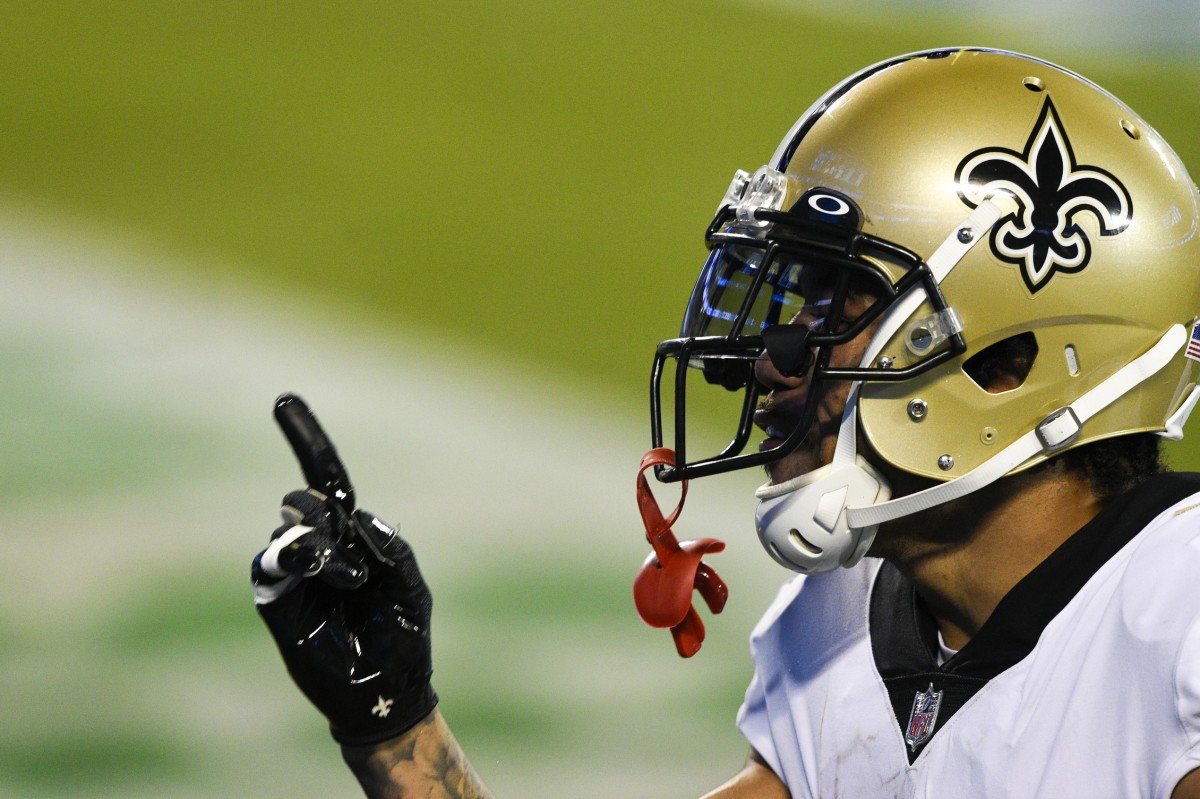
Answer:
(1107, 27)
(483, 464)
(476, 460)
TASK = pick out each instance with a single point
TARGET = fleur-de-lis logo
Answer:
(1041, 236)
(383, 707)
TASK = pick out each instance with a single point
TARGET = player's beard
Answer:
(817, 446)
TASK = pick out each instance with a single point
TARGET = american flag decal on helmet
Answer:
(1193, 347)
(923, 718)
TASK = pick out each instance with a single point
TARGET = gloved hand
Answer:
(350, 612)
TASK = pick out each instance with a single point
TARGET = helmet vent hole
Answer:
(1034, 84)
(1131, 130)
(1003, 366)
(1072, 360)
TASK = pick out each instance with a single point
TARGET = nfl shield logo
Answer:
(924, 716)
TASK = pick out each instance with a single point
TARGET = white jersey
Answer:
(1085, 681)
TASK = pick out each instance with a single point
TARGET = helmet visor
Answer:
(741, 290)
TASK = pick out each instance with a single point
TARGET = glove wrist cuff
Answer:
(394, 721)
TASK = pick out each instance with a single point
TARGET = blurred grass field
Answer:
(458, 229)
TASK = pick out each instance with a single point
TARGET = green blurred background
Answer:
(458, 229)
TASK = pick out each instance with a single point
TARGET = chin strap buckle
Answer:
(662, 590)
(1058, 429)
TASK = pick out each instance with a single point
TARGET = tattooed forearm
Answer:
(425, 762)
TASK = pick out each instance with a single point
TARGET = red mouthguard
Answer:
(663, 587)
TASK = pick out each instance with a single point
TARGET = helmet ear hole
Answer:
(1003, 366)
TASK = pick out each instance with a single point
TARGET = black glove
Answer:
(350, 613)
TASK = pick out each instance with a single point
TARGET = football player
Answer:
(961, 302)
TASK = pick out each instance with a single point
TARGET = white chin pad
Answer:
(802, 523)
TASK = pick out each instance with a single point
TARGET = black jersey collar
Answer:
(904, 635)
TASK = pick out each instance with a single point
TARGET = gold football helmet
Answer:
(978, 195)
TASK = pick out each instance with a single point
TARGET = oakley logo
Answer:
(1041, 237)
(828, 204)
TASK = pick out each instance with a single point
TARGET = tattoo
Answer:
(425, 762)
(407, 749)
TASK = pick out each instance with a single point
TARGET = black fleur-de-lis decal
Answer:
(1041, 236)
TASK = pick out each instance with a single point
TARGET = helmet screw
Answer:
(966, 235)
(917, 409)
(946, 463)
(884, 362)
